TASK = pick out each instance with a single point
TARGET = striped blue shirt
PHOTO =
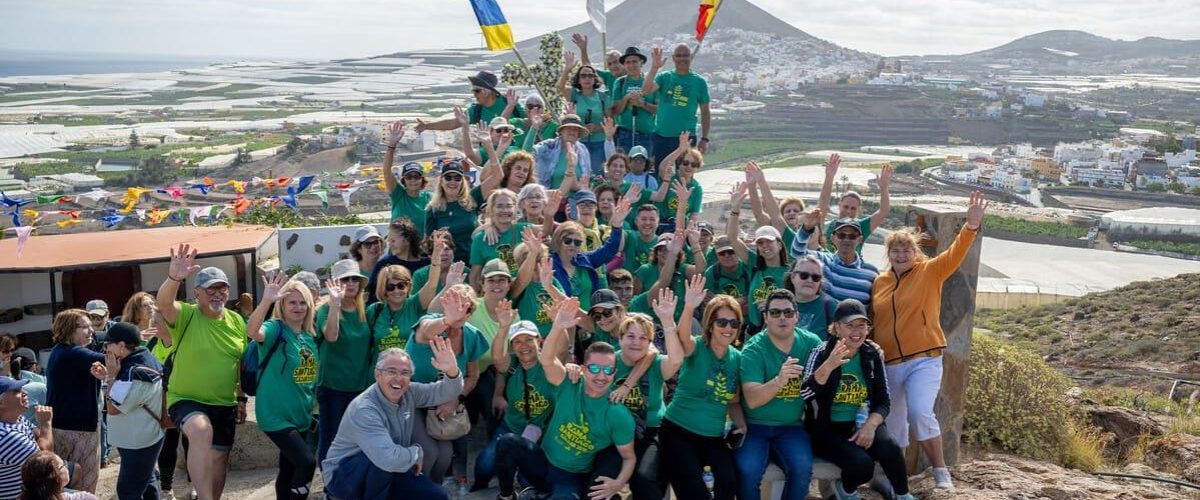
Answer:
(17, 444)
(842, 280)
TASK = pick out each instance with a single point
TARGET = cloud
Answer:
(315, 29)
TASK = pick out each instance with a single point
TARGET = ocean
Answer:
(26, 63)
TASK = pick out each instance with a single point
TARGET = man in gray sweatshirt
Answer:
(374, 454)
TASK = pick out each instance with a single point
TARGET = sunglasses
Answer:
(215, 290)
(452, 177)
(586, 75)
(347, 279)
(686, 163)
(391, 287)
(596, 369)
(372, 243)
(728, 323)
(845, 236)
(725, 253)
(602, 313)
(412, 177)
(574, 242)
(804, 275)
(477, 90)
(787, 313)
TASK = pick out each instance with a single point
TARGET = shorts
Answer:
(222, 418)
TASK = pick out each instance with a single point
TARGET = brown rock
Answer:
(1177, 454)
(1125, 424)
(996, 476)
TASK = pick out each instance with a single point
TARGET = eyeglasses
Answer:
(804, 275)
(574, 242)
(845, 236)
(787, 313)
(391, 287)
(216, 290)
(452, 177)
(728, 323)
(596, 369)
(603, 313)
(392, 372)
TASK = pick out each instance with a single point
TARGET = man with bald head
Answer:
(679, 93)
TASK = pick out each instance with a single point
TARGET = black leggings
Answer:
(646, 483)
(169, 456)
(689, 454)
(297, 463)
(857, 463)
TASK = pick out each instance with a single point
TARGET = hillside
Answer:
(1143, 334)
(1061, 45)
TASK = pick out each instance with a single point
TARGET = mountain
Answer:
(1062, 45)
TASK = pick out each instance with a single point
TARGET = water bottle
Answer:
(860, 419)
(709, 481)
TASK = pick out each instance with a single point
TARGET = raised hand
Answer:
(572, 160)
(568, 61)
(664, 305)
(581, 41)
(574, 372)
(609, 126)
(568, 108)
(455, 306)
(460, 116)
(634, 193)
(839, 356)
(395, 132)
(885, 177)
(684, 138)
(511, 96)
(336, 291)
(678, 238)
(545, 271)
(831, 165)
(455, 276)
(553, 202)
(536, 119)
(620, 212)
(693, 232)
(439, 247)
(421, 126)
(565, 312)
(273, 283)
(737, 194)
(656, 58)
(694, 291)
(976, 209)
(149, 333)
(668, 171)
(532, 239)
(812, 218)
(504, 313)
(506, 140)
(443, 356)
(183, 262)
(682, 193)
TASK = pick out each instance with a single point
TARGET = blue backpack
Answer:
(251, 369)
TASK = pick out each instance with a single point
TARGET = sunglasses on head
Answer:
(395, 286)
(452, 177)
(596, 369)
(805, 275)
(845, 236)
(603, 313)
(574, 242)
(728, 323)
(787, 313)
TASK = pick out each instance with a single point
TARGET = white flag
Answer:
(595, 10)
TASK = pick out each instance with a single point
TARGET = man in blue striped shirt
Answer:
(19, 439)
(847, 275)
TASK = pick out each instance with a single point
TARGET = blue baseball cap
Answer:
(9, 384)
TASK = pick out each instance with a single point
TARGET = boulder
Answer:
(1177, 454)
(1006, 477)
(1126, 425)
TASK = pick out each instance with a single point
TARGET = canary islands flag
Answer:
(708, 10)
(495, 28)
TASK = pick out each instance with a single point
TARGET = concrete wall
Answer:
(1013, 300)
(313, 248)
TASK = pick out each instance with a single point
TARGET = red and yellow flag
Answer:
(708, 10)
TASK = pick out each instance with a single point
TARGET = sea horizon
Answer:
(37, 63)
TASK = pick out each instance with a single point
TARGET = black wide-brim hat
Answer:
(484, 79)
(633, 51)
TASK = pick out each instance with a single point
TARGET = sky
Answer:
(328, 29)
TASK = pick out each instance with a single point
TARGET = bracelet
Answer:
(703, 139)
(391, 148)
(734, 212)
(172, 278)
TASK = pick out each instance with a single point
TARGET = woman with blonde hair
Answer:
(577, 271)
(344, 346)
(498, 235)
(452, 208)
(910, 331)
(75, 395)
(399, 307)
(287, 371)
(694, 425)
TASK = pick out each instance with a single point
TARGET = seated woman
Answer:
(846, 380)
(44, 475)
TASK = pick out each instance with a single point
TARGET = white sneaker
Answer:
(941, 478)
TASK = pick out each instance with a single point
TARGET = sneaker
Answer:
(941, 478)
(841, 493)
(166, 495)
(462, 490)
(906, 496)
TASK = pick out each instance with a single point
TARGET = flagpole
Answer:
(700, 43)
(529, 75)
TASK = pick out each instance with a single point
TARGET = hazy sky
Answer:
(321, 29)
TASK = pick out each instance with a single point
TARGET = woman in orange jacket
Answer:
(906, 300)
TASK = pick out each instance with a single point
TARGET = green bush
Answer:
(1035, 228)
(1015, 401)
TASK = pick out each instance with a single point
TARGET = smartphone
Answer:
(734, 440)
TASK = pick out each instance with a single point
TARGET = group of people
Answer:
(555, 287)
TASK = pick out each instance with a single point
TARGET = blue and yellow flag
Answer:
(495, 28)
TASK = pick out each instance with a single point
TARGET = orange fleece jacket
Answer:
(907, 308)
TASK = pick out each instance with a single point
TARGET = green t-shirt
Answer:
(346, 365)
(735, 284)
(581, 426)
(761, 360)
(816, 314)
(394, 328)
(864, 225)
(285, 387)
(461, 223)
(549, 130)
(851, 391)
(679, 96)
(474, 346)
(208, 361)
(482, 252)
(762, 283)
(412, 208)
(482, 321)
(706, 386)
(581, 284)
(646, 398)
(477, 113)
(649, 273)
(637, 251)
(533, 303)
(624, 86)
(789, 237)
(670, 204)
(608, 79)
(590, 109)
(640, 303)
(529, 396)
(421, 277)
(484, 157)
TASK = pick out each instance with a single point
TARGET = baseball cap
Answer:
(722, 243)
(637, 151)
(25, 353)
(846, 222)
(9, 383)
(849, 310)
(664, 238)
(523, 327)
(410, 167)
(97, 307)
(125, 333)
(452, 166)
(583, 195)
(605, 299)
(364, 233)
(210, 276)
(495, 267)
(705, 226)
(534, 100)
(767, 232)
(499, 123)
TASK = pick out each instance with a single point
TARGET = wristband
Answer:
(172, 278)
(703, 139)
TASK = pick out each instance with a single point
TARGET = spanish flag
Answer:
(708, 11)
(495, 28)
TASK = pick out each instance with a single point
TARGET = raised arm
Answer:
(468, 146)
(691, 300)
(581, 41)
(831, 168)
(733, 224)
(429, 289)
(945, 263)
(664, 308)
(183, 264)
(504, 319)
(274, 282)
(395, 132)
(770, 205)
(455, 307)
(756, 204)
(333, 319)
(527, 272)
(656, 63)
(568, 64)
(612, 244)
(564, 312)
(885, 199)
(699, 261)
(449, 123)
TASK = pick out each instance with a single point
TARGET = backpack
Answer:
(251, 368)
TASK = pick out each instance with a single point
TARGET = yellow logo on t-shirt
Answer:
(544, 303)
(574, 436)
(720, 387)
(851, 390)
(393, 339)
(538, 404)
(731, 290)
(791, 390)
(504, 252)
(306, 372)
(677, 95)
(762, 292)
(635, 401)
(673, 204)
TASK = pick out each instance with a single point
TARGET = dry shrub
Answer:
(1085, 446)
